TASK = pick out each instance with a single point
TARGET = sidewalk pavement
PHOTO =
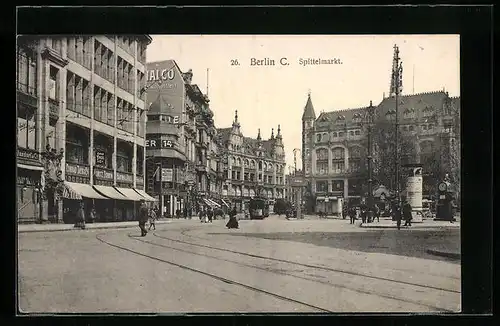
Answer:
(68, 227)
(425, 224)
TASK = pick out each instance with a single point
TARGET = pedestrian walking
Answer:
(352, 214)
(396, 213)
(92, 215)
(143, 218)
(80, 216)
(376, 211)
(407, 213)
(233, 222)
(152, 219)
(210, 214)
(203, 215)
(363, 211)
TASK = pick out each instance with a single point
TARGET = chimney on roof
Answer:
(188, 76)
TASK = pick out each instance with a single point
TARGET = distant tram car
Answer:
(259, 208)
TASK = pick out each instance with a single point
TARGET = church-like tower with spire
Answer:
(253, 166)
(308, 118)
(334, 143)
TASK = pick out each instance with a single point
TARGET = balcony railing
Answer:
(28, 154)
(81, 170)
(54, 108)
(124, 177)
(103, 173)
(27, 95)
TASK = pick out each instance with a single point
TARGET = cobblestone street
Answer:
(272, 265)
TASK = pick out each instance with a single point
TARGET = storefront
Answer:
(29, 208)
(330, 205)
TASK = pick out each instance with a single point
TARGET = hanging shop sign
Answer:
(167, 174)
(159, 143)
(100, 158)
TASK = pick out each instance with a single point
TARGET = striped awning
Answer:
(207, 202)
(130, 193)
(74, 190)
(145, 195)
(224, 202)
(215, 204)
(110, 192)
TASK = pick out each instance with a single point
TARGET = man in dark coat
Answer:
(210, 214)
(352, 214)
(396, 212)
(143, 217)
(407, 213)
(232, 223)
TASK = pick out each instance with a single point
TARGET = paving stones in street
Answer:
(273, 265)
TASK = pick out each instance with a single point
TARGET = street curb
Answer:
(452, 255)
(72, 228)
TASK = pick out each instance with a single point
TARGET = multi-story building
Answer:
(253, 167)
(89, 109)
(335, 144)
(180, 128)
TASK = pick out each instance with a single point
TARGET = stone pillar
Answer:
(330, 186)
(330, 156)
(313, 161)
(346, 159)
(136, 117)
(346, 188)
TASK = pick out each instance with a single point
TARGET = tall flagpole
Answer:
(413, 84)
(207, 81)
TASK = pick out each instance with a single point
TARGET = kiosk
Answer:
(414, 191)
(444, 208)
(297, 182)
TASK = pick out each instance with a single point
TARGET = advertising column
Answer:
(414, 192)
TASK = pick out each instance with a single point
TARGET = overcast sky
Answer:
(266, 96)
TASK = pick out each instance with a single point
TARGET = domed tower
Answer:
(236, 137)
(278, 147)
(308, 118)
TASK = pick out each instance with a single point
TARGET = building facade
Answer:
(180, 130)
(87, 129)
(251, 166)
(335, 145)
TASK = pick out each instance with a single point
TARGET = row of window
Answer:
(324, 137)
(236, 175)
(77, 150)
(126, 74)
(338, 153)
(79, 49)
(338, 167)
(26, 72)
(251, 164)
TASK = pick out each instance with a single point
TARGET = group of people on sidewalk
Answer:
(398, 211)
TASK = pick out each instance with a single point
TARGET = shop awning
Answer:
(207, 202)
(74, 190)
(224, 202)
(145, 195)
(130, 194)
(30, 167)
(110, 192)
(213, 203)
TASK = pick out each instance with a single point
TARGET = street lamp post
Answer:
(370, 160)
(397, 78)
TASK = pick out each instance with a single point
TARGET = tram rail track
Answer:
(211, 275)
(312, 279)
(328, 269)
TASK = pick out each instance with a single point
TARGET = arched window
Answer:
(245, 162)
(321, 154)
(252, 164)
(233, 161)
(260, 165)
(322, 161)
(338, 153)
(355, 160)
(324, 137)
(338, 164)
(334, 134)
(426, 152)
(318, 138)
(270, 167)
(351, 133)
(238, 161)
